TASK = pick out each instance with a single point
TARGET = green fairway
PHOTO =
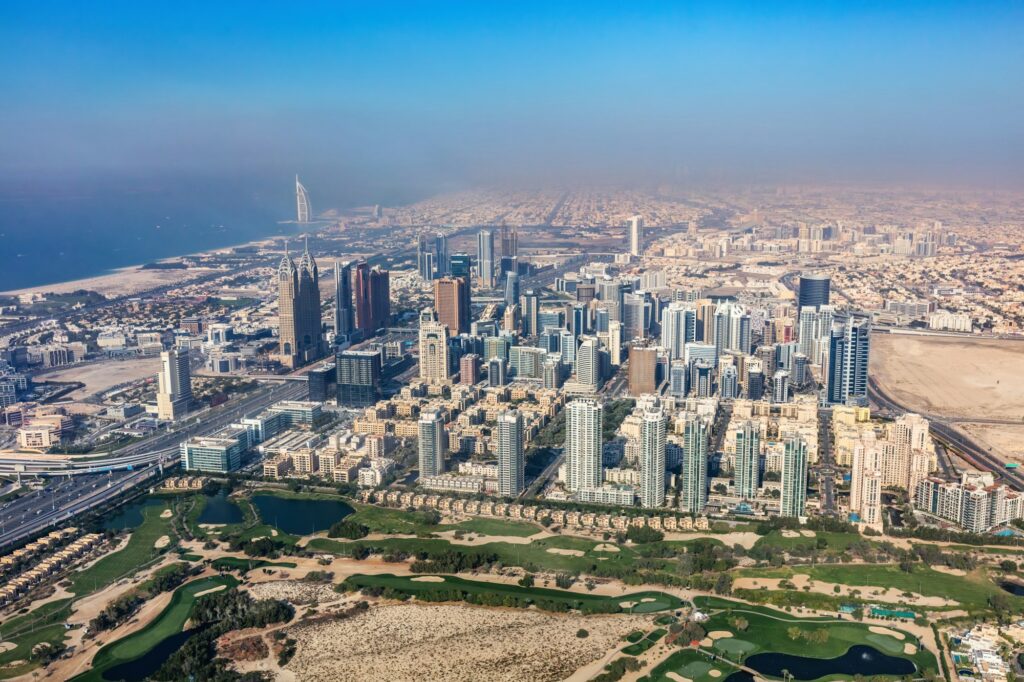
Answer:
(436, 587)
(644, 644)
(691, 664)
(548, 554)
(139, 551)
(170, 621)
(231, 563)
(45, 624)
(760, 630)
(971, 591)
(821, 540)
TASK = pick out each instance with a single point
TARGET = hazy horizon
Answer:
(414, 99)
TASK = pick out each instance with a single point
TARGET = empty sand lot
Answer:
(953, 377)
(406, 642)
(99, 376)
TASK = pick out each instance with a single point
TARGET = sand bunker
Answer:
(707, 641)
(273, 533)
(676, 677)
(714, 672)
(949, 571)
(606, 548)
(217, 588)
(719, 634)
(162, 542)
(166, 514)
(790, 534)
(7, 646)
(909, 648)
(428, 579)
(879, 630)
(564, 552)
(648, 599)
(808, 533)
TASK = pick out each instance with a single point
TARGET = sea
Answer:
(60, 231)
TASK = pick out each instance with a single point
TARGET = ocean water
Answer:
(59, 231)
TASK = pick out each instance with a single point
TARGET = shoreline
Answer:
(83, 283)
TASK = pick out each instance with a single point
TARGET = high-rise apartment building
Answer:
(432, 440)
(358, 377)
(344, 313)
(794, 477)
(746, 471)
(584, 423)
(469, 369)
(678, 328)
(813, 291)
(509, 241)
(451, 301)
(434, 359)
(693, 478)
(300, 327)
(486, 270)
(643, 370)
(588, 364)
(372, 293)
(636, 236)
(732, 328)
(849, 349)
(174, 384)
(866, 479)
(511, 462)
(652, 457)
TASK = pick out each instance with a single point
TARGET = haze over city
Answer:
(599, 342)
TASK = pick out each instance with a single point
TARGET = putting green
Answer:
(694, 669)
(888, 645)
(735, 646)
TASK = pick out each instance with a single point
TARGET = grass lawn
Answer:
(170, 621)
(774, 631)
(230, 563)
(659, 601)
(837, 542)
(971, 591)
(482, 526)
(691, 664)
(45, 624)
(135, 555)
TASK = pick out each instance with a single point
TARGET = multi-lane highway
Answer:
(951, 438)
(83, 484)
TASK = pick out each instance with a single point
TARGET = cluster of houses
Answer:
(530, 512)
(55, 554)
(184, 483)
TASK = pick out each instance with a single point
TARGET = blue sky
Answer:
(453, 94)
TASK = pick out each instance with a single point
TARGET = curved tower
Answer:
(301, 202)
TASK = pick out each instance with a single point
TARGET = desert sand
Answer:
(951, 376)
(400, 642)
(100, 376)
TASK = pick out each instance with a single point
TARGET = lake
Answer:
(299, 516)
(220, 509)
(1013, 587)
(860, 659)
(144, 666)
(131, 516)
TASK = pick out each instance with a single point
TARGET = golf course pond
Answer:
(132, 515)
(860, 659)
(300, 516)
(220, 510)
